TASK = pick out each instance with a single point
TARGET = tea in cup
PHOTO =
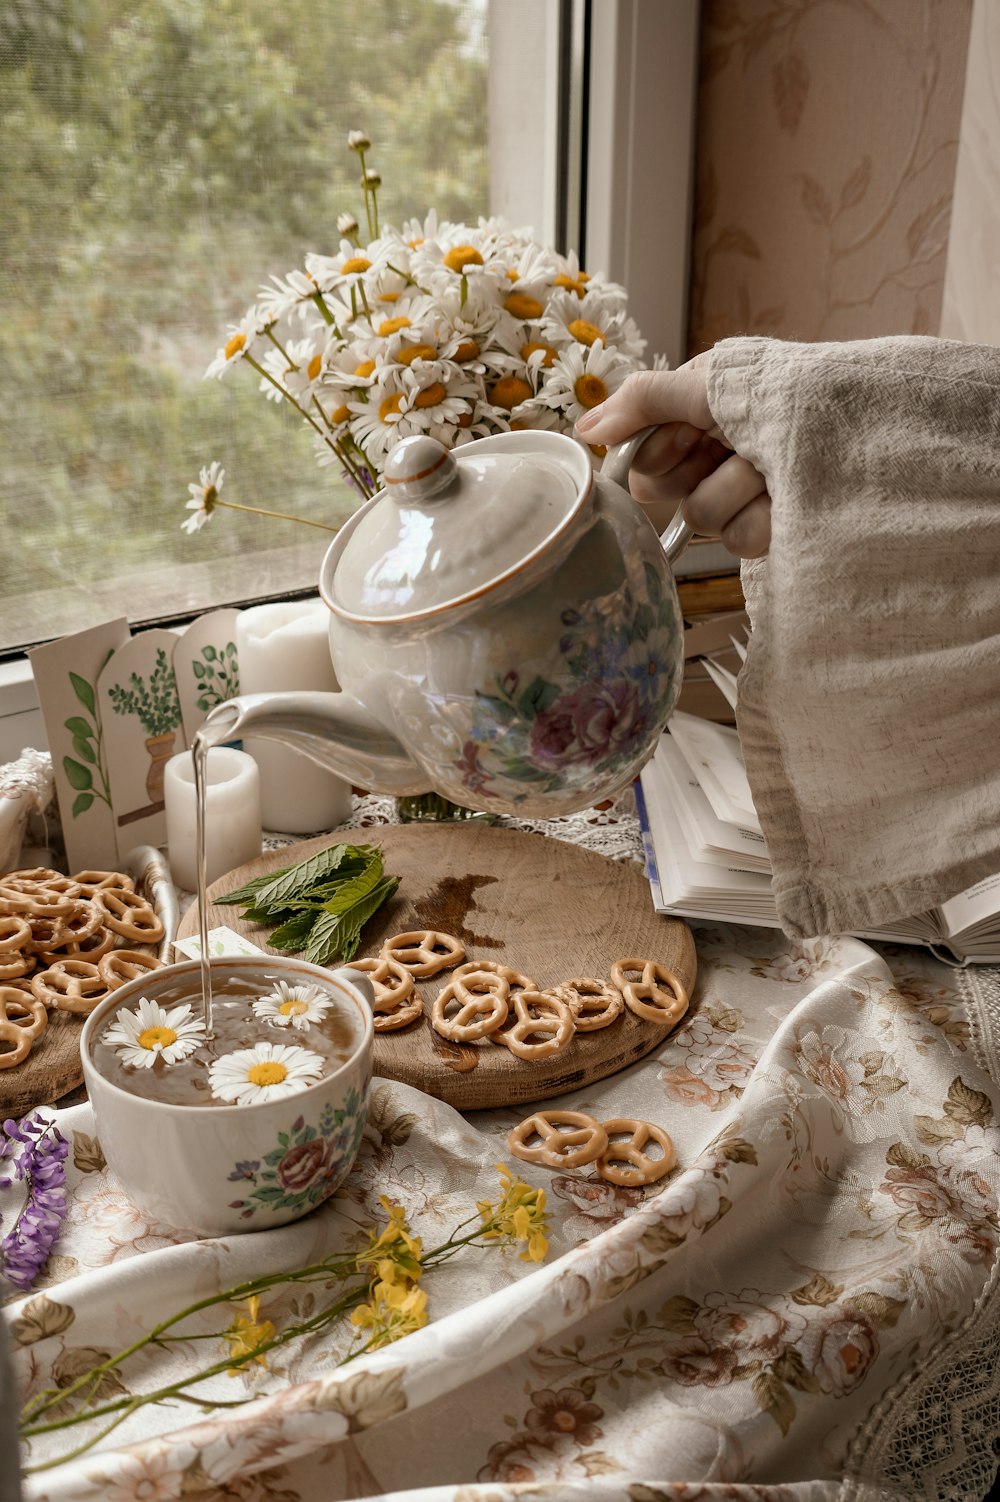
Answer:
(251, 1127)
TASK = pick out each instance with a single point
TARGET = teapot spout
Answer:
(334, 730)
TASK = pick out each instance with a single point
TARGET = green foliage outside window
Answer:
(161, 157)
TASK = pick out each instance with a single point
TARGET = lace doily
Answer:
(933, 1434)
(611, 830)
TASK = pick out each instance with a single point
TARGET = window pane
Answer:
(162, 158)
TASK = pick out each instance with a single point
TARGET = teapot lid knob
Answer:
(418, 468)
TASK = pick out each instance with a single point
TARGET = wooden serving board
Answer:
(544, 907)
(51, 1070)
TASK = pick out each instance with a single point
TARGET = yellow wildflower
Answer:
(394, 1309)
(519, 1216)
(246, 1334)
(395, 1243)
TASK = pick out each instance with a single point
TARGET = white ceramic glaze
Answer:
(505, 629)
(215, 1170)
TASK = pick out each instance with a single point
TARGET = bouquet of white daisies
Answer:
(434, 328)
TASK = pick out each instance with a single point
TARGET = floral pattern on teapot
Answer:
(590, 706)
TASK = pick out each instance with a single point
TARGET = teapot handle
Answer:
(618, 462)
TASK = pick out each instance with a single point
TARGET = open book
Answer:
(706, 856)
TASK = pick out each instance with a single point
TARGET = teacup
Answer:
(213, 1170)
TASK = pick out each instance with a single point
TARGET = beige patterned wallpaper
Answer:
(827, 140)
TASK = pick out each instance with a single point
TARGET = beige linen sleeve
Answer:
(869, 705)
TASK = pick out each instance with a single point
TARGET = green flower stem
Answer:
(364, 188)
(320, 302)
(286, 394)
(119, 1409)
(280, 348)
(283, 516)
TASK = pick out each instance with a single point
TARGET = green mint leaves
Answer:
(320, 905)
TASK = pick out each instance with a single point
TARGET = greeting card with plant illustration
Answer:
(66, 674)
(141, 715)
(206, 667)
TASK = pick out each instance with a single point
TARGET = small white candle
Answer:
(285, 648)
(232, 814)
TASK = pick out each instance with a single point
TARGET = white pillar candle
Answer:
(284, 648)
(232, 814)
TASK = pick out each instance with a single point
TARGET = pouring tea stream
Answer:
(505, 627)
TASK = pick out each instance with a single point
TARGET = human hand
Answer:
(687, 460)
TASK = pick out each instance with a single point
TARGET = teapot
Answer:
(504, 625)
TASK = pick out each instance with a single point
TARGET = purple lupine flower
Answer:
(37, 1151)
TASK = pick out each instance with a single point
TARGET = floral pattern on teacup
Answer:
(307, 1164)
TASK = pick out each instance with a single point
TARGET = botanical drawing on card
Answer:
(141, 715)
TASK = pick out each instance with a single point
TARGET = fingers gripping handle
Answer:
(616, 466)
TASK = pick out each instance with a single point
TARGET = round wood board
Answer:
(49, 1072)
(545, 907)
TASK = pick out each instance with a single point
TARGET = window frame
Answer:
(589, 101)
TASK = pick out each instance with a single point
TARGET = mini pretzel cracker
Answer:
(658, 997)
(34, 902)
(482, 1006)
(583, 1140)
(424, 952)
(625, 1162)
(14, 933)
(130, 915)
(540, 1015)
(93, 949)
(82, 923)
(395, 1017)
(70, 986)
(515, 980)
(14, 964)
(91, 882)
(391, 981)
(22, 1020)
(119, 965)
(594, 1003)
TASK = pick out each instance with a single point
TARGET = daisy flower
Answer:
(204, 496)
(584, 377)
(152, 1032)
(292, 1006)
(240, 342)
(266, 1071)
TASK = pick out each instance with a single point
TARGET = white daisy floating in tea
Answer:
(152, 1032)
(292, 1006)
(263, 1072)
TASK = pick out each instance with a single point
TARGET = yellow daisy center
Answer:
(314, 367)
(590, 390)
(355, 264)
(419, 240)
(340, 414)
(267, 1073)
(388, 296)
(571, 285)
(467, 350)
(234, 345)
(293, 1008)
(153, 1037)
(584, 332)
(390, 405)
(551, 354)
(431, 395)
(520, 305)
(392, 326)
(465, 421)
(365, 368)
(509, 391)
(461, 256)
(416, 352)
(512, 274)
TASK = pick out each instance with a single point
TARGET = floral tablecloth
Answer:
(804, 1309)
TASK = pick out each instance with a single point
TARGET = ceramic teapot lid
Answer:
(451, 525)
